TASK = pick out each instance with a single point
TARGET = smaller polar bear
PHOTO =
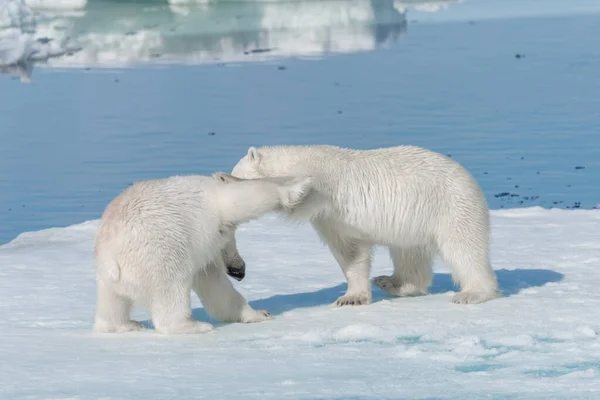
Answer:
(160, 239)
(416, 202)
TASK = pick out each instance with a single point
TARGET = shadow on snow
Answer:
(511, 282)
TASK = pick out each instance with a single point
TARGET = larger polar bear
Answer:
(416, 202)
(160, 239)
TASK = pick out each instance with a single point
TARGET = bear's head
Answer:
(247, 167)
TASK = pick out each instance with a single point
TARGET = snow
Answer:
(539, 341)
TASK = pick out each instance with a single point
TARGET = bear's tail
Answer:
(107, 268)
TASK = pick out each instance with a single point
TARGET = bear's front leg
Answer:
(354, 257)
(356, 264)
(221, 300)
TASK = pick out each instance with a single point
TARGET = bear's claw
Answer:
(353, 300)
(392, 286)
(257, 316)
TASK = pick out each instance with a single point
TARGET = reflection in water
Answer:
(111, 33)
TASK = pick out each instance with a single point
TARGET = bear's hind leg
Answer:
(112, 312)
(171, 310)
(221, 300)
(471, 270)
(354, 258)
(412, 271)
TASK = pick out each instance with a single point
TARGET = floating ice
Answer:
(56, 4)
(114, 34)
(20, 48)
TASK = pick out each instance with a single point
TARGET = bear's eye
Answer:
(226, 229)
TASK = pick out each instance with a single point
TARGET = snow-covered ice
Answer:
(539, 341)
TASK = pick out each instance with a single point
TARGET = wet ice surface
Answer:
(539, 341)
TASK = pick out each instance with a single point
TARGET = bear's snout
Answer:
(237, 271)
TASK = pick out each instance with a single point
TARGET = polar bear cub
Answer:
(414, 201)
(160, 239)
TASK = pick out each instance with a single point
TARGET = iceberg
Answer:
(20, 47)
(121, 34)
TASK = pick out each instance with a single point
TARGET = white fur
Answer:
(160, 239)
(416, 202)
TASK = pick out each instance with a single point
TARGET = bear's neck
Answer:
(294, 160)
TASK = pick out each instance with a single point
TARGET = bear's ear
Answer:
(226, 178)
(253, 155)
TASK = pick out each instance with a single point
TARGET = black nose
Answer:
(238, 272)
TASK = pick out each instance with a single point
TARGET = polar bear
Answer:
(160, 239)
(414, 201)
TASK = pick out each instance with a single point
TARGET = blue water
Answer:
(528, 128)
